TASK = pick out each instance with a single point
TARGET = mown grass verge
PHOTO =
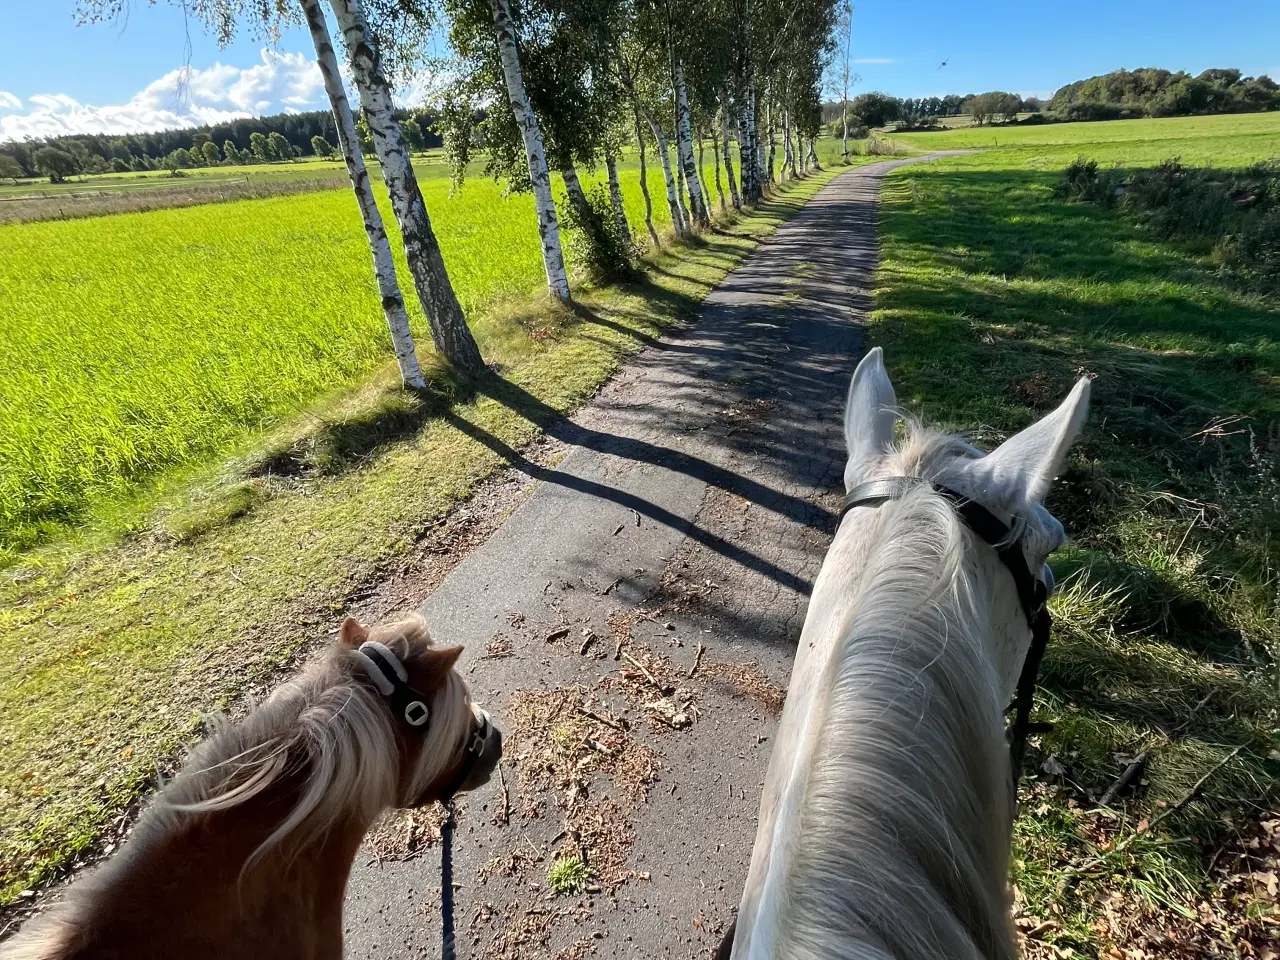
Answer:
(993, 296)
(109, 655)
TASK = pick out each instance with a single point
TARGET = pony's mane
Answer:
(898, 805)
(327, 728)
(330, 726)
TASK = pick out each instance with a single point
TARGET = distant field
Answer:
(429, 164)
(1222, 140)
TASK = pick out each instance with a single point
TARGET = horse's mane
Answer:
(899, 809)
(327, 728)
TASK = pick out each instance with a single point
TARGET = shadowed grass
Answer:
(993, 297)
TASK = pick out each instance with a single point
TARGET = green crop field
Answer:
(994, 295)
(140, 342)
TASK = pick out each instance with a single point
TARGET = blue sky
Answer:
(64, 78)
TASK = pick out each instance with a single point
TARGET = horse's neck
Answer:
(185, 891)
(824, 645)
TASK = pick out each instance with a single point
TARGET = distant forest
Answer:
(1150, 92)
(285, 136)
(1119, 95)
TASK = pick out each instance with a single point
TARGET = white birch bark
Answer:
(539, 175)
(449, 329)
(748, 153)
(615, 200)
(644, 179)
(684, 146)
(384, 267)
(673, 192)
(577, 196)
(813, 156)
(680, 192)
(773, 141)
(728, 157)
(788, 158)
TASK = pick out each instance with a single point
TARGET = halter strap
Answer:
(1032, 593)
(391, 678)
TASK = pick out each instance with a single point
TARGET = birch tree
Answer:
(684, 146)
(348, 144)
(449, 329)
(728, 156)
(845, 24)
(539, 175)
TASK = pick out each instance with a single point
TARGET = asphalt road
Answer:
(692, 511)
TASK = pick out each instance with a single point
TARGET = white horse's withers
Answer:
(886, 818)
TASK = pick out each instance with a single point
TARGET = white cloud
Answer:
(874, 60)
(181, 98)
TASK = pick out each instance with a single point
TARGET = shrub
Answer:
(1083, 181)
(597, 247)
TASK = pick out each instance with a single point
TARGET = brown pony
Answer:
(245, 853)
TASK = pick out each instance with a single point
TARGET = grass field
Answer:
(111, 649)
(141, 342)
(994, 296)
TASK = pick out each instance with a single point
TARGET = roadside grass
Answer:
(993, 296)
(112, 651)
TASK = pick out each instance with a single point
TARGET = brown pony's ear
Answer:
(351, 633)
(428, 668)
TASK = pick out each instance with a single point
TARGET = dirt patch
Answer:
(748, 680)
(1041, 391)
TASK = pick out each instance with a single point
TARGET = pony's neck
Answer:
(188, 887)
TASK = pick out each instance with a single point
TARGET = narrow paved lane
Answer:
(631, 625)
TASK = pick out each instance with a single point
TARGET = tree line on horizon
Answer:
(1119, 95)
(247, 140)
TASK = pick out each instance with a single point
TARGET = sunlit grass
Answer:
(142, 342)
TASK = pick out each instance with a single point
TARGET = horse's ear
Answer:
(351, 633)
(1021, 470)
(428, 668)
(870, 411)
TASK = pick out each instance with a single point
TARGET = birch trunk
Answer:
(539, 175)
(384, 268)
(715, 151)
(615, 200)
(449, 328)
(748, 153)
(673, 191)
(728, 157)
(813, 156)
(684, 144)
(573, 187)
(773, 146)
(680, 192)
(788, 158)
(644, 181)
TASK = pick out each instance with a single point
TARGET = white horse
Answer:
(887, 813)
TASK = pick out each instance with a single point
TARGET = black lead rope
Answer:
(1032, 593)
(449, 945)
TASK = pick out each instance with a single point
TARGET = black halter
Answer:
(1033, 594)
